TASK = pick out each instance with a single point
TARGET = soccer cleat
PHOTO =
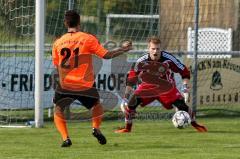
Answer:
(199, 128)
(126, 129)
(100, 137)
(67, 143)
(123, 130)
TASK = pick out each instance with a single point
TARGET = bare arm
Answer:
(128, 91)
(126, 46)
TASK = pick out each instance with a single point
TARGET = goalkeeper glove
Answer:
(185, 88)
(185, 91)
(124, 104)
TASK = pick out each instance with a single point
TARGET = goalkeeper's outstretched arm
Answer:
(128, 91)
(131, 81)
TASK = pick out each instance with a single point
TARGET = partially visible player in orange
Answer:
(72, 57)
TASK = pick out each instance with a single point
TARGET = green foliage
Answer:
(93, 13)
(124, 6)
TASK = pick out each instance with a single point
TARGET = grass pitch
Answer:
(149, 140)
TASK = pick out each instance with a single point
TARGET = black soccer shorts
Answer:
(88, 98)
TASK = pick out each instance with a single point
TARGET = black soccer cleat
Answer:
(100, 137)
(67, 143)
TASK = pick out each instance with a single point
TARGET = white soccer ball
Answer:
(181, 119)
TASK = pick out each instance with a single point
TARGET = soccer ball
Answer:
(181, 119)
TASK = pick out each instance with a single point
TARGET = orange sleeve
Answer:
(55, 57)
(95, 47)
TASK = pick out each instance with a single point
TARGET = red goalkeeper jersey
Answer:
(159, 72)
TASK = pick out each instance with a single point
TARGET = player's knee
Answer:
(184, 108)
(181, 105)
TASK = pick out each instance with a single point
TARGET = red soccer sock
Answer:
(129, 115)
(129, 126)
(61, 125)
(198, 127)
(97, 114)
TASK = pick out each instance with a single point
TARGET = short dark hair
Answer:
(71, 18)
(154, 39)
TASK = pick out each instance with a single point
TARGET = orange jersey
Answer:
(72, 55)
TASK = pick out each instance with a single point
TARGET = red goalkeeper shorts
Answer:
(148, 93)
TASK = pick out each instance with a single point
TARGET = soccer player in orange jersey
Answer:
(72, 57)
(154, 75)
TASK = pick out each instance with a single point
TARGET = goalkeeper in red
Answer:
(153, 74)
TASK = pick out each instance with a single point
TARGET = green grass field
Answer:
(149, 139)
